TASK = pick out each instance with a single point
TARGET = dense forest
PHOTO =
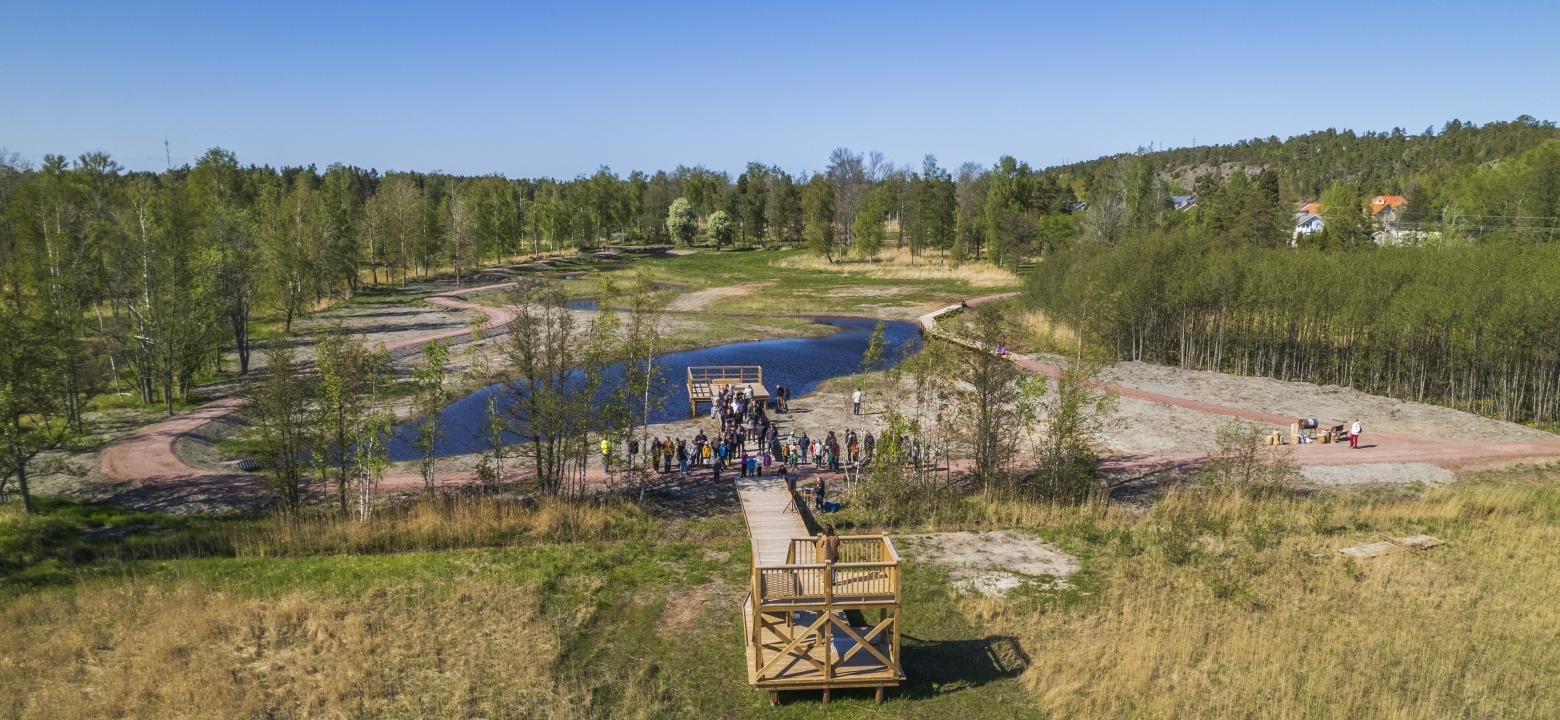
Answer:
(150, 280)
(1419, 166)
(1465, 317)
(146, 284)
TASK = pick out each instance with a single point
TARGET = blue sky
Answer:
(561, 88)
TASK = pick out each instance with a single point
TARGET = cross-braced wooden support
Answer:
(812, 625)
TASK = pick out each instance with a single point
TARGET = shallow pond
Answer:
(798, 363)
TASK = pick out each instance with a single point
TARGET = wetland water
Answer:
(798, 363)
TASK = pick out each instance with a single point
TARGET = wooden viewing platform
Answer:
(706, 381)
(811, 625)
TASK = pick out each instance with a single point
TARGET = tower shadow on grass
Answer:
(938, 667)
(941, 667)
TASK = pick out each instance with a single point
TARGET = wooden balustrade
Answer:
(800, 635)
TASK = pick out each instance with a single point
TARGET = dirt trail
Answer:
(1376, 448)
(147, 456)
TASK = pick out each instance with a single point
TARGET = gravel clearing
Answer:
(1141, 427)
(375, 325)
(1376, 474)
(991, 563)
(1330, 403)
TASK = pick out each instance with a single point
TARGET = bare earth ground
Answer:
(147, 459)
(1327, 402)
(389, 326)
(1168, 416)
(991, 563)
(1418, 435)
(701, 299)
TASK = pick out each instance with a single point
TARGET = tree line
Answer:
(144, 283)
(1466, 320)
(1395, 162)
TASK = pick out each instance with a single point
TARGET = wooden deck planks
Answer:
(775, 663)
(772, 518)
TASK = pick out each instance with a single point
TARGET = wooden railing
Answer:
(867, 572)
(853, 549)
(726, 375)
(797, 633)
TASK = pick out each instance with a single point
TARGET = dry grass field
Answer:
(1216, 605)
(892, 264)
(1209, 603)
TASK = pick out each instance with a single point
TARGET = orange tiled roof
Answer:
(1385, 201)
(1313, 208)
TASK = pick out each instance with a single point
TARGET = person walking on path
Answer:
(606, 455)
(855, 402)
(682, 456)
(828, 545)
(1354, 434)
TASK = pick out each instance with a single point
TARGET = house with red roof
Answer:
(1386, 208)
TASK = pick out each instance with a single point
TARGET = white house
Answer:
(1306, 224)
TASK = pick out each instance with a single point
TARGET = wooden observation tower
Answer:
(811, 625)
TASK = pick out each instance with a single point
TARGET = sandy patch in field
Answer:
(685, 608)
(1143, 427)
(867, 291)
(375, 325)
(991, 563)
(1330, 403)
(700, 299)
(1378, 473)
(899, 265)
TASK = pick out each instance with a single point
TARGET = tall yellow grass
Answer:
(1038, 330)
(133, 651)
(443, 523)
(1216, 605)
(892, 264)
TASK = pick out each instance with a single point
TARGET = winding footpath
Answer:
(1379, 448)
(149, 456)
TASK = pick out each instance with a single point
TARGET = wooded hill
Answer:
(1394, 162)
(1465, 317)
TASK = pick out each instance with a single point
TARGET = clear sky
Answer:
(561, 88)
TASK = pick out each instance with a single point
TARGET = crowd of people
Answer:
(747, 442)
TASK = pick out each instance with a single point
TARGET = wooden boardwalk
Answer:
(772, 518)
(811, 625)
(706, 381)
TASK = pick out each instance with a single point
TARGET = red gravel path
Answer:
(1448, 453)
(147, 456)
